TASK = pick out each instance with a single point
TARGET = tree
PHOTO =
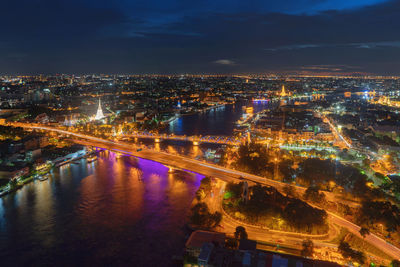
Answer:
(216, 218)
(253, 158)
(344, 209)
(240, 233)
(312, 193)
(200, 214)
(287, 171)
(205, 184)
(289, 190)
(349, 253)
(316, 171)
(364, 232)
(385, 212)
(304, 217)
(308, 248)
(236, 190)
(200, 194)
(395, 263)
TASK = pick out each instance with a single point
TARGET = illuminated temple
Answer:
(99, 114)
(283, 92)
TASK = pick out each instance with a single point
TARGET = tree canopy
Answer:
(240, 233)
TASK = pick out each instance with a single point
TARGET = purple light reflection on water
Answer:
(154, 166)
(114, 211)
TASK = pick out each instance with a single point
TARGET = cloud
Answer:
(226, 62)
(371, 45)
(365, 45)
(331, 68)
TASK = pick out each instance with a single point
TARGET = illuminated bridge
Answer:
(196, 140)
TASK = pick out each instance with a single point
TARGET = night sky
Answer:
(201, 36)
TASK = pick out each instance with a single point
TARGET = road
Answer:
(336, 132)
(215, 171)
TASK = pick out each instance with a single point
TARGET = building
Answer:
(99, 114)
(13, 172)
(71, 119)
(34, 142)
(42, 118)
(198, 238)
(283, 92)
(209, 250)
(205, 254)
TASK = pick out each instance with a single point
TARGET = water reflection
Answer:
(116, 210)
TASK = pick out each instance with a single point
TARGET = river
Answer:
(114, 211)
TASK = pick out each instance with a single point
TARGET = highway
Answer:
(214, 171)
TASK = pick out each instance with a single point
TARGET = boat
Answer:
(91, 158)
(43, 178)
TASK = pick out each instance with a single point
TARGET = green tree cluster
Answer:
(253, 158)
(240, 233)
(201, 216)
(204, 189)
(372, 212)
(317, 172)
(349, 253)
(313, 194)
(268, 202)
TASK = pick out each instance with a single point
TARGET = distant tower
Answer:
(283, 93)
(99, 114)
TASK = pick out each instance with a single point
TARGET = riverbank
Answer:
(37, 173)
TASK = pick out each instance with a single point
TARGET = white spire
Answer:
(99, 114)
(283, 93)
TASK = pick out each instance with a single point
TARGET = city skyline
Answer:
(200, 133)
(297, 37)
(238, 156)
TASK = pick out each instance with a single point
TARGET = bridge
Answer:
(225, 174)
(196, 140)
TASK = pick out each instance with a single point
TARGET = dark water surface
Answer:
(219, 121)
(113, 211)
